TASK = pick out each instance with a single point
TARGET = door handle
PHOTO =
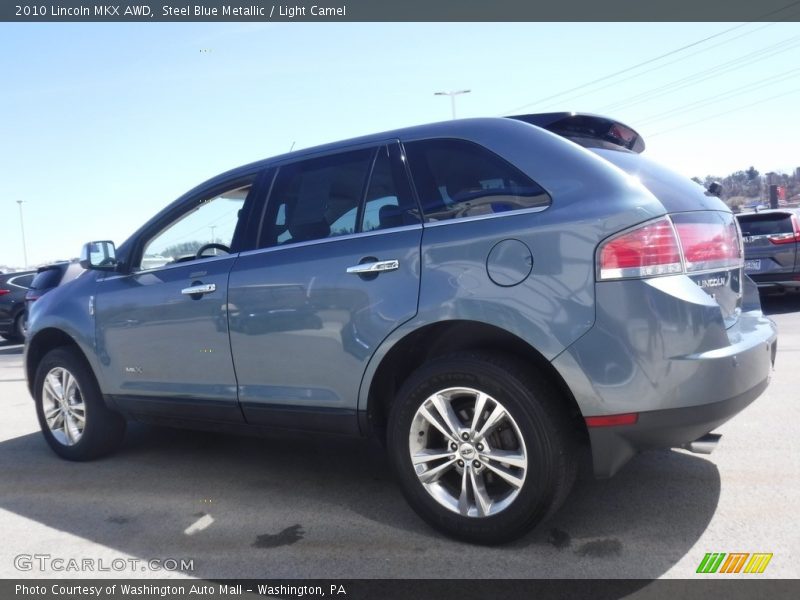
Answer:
(379, 266)
(204, 288)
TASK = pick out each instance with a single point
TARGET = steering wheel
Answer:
(204, 247)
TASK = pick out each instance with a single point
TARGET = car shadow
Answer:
(778, 304)
(308, 507)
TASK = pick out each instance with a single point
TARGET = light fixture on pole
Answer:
(22, 229)
(452, 98)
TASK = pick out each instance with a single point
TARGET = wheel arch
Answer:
(43, 342)
(439, 339)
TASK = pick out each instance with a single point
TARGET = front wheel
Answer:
(75, 421)
(482, 446)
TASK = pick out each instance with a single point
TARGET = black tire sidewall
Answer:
(526, 406)
(19, 326)
(103, 428)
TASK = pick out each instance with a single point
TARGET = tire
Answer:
(17, 333)
(19, 326)
(503, 500)
(89, 429)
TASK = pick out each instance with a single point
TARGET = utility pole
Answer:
(22, 229)
(452, 98)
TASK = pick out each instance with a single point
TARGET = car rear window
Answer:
(22, 280)
(49, 278)
(765, 224)
(456, 179)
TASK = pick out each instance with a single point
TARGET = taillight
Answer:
(670, 245)
(649, 250)
(4, 292)
(787, 238)
(708, 242)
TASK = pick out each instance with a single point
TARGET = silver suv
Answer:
(488, 296)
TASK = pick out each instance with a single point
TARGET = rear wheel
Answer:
(72, 414)
(17, 333)
(482, 447)
(20, 325)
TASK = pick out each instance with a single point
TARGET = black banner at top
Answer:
(398, 10)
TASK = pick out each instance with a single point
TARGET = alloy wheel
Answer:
(64, 407)
(468, 452)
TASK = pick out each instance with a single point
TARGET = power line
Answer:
(738, 108)
(666, 64)
(706, 74)
(719, 97)
(649, 61)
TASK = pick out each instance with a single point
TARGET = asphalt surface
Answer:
(322, 508)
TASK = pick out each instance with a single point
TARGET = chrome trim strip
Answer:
(509, 213)
(205, 260)
(335, 238)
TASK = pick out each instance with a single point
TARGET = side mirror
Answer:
(100, 256)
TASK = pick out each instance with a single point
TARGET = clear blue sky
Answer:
(104, 124)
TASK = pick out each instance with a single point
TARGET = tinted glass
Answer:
(766, 224)
(49, 278)
(24, 281)
(457, 179)
(316, 198)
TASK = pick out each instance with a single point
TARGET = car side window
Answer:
(211, 220)
(457, 179)
(316, 198)
(389, 201)
(22, 281)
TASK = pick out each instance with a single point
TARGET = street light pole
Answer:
(452, 98)
(22, 229)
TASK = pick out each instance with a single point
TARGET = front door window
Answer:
(209, 226)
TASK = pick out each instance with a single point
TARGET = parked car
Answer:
(525, 286)
(772, 248)
(13, 315)
(50, 277)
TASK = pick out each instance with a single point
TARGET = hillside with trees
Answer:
(750, 187)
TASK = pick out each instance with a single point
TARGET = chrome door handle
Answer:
(374, 267)
(205, 288)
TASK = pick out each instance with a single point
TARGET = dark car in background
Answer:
(771, 243)
(50, 277)
(12, 304)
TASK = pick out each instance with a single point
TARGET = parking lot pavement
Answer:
(246, 507)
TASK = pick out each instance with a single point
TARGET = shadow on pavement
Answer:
(330, 508)
(777, 304)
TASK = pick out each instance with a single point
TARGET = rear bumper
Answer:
(659, 348)
(612, 447)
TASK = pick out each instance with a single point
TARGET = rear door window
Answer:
(457, 179)
(765, 224)
(339, 194)
(316, 198)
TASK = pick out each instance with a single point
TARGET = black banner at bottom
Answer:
(391, 589)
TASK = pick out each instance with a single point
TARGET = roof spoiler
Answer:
(583, 125)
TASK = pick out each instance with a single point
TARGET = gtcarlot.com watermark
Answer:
(62, 564)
